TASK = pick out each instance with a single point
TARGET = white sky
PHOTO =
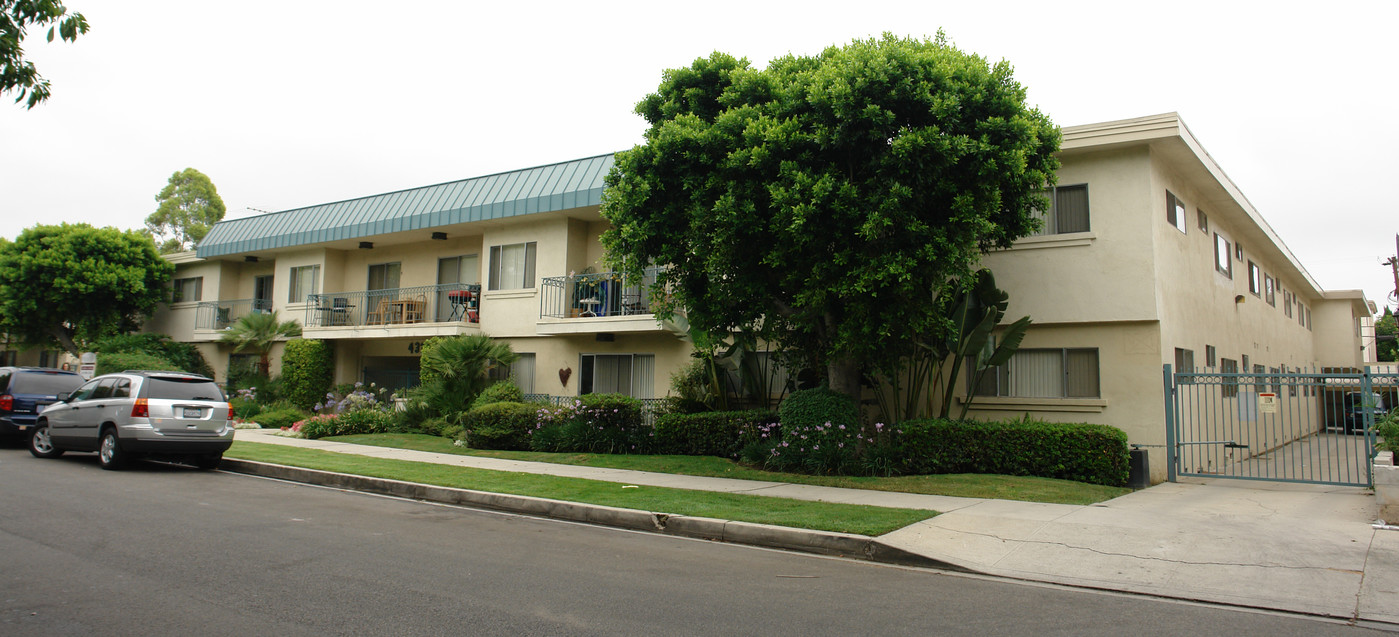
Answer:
(291, 103)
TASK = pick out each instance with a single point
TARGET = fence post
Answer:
(1168, 383)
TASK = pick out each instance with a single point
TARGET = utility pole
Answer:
(1393, 264)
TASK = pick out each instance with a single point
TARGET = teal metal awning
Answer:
(562, 186)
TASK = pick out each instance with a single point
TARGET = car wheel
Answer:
(41, 443)
(208, 461)
(109, 453)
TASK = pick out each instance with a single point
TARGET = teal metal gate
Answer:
(1287, 426)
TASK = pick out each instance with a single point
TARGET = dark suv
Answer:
(25, 391)
(138, 412)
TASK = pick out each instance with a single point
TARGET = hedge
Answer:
(122, 361)
(1083, 452)
(714, 433)
(307, 371)
(504, 426)
(812, 407)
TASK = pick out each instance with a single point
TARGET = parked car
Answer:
(25, 391)
(135, 413)
(1355, 404)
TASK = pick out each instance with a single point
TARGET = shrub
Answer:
(808, 408)
(363, 421)
(455, 432)
(184, 356)
(357, 398)
(1072, 451)
(1388, 429)
(307, 371)
(715, 433)
(594, 423)
(501, 425)
(430, 426)
(505, 391)
(825, 448)
(245, 408)
(279, 417)
(109, 363)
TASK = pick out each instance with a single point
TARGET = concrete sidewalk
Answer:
(1299, 548)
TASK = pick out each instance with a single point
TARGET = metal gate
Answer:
(1288, 426)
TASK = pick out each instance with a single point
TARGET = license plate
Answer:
(23, 427)
(191, 412)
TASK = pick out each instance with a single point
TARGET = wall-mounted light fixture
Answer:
(250, 259)
(1239, 299)
(440, 236)
(365, 245)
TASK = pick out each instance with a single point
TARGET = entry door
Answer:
(462, 269)
(383, 286)
(262, 292)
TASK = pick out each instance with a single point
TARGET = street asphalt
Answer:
(1309, 549)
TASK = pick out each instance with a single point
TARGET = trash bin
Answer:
(1138, 470)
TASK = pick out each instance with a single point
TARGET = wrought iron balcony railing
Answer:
(595, 294)
(443, 303)
(216, 315)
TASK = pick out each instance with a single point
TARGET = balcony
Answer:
(596, 302)
(212, 317)
(426, 310)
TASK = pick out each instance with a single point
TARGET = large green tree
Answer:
(189, 206)
(824, 199)
(1386, 331)
(69, 284)
(16, 16)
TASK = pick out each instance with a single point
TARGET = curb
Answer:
(847, 545)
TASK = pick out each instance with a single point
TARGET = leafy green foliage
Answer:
(808, 408)
(120, 361)
(715, 433)
(184, 356)
(505, 391)
(245, 408)
(259, 331)
(594, 423)
(454, 370)
(1388, 430)
(816, 201)
(308, 369)
(279, 417)
(69, 284)
(1387, 338)
(16, 16)
(1096, 454)
(500, 425)
(189, 206)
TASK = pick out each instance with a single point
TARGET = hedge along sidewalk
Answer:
(795, 491)
(408, 467)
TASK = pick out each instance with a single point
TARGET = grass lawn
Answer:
(965, 485)
(825, 516)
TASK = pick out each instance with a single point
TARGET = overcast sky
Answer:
(288, 103)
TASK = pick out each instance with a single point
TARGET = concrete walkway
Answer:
(1300, 548)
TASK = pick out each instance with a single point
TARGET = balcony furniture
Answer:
(380, 315)
(414, 310)
(337, 313)
(464, 305)
(590, 306)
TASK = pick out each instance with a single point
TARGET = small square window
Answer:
(1268, 290)
(1221, 256)
(1202, 220)
(1175, 212)
(1255, 281)
(1210, 360)
(1239, 250)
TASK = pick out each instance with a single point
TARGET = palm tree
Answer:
(456, 369)
(259, 331)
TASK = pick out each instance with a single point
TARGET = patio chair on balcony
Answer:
(415, 310)
(380, 314)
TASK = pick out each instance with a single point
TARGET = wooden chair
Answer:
(380, 315)
(415, 311)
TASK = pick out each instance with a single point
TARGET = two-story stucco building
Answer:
(1150, 255)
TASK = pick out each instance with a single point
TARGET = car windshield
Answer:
(45, 383)
(170, 388)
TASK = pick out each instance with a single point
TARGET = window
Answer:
(1268, 290)
(1185, 363)
(187, 289)
(1210, 360)
(262, 292)
(1175, 212)
(303, 282)
(521, 371)
(512, 266)
(630, 374)
(1260, 382)
(1277, 381)
(1238, 251)
(1309, 319)
(1255, 283)
(1245, 359)
(1229, 386)
(1221, 256)
(7, 358)
(1203, 221)
(1287, 303)
(1044, 373)
(1301, 313)
(1068, 210)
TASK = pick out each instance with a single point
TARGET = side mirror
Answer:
(63, 397)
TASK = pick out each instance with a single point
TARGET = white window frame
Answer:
(295, 282)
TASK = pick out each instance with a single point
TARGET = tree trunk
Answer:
(66, 341)
(844, 377)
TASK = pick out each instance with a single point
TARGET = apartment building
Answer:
(1150, 255)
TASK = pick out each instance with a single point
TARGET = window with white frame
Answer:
(1175, 212)
(521, 372)
(629, 374)
(1044, 373)
(1255, 281)
(512, 266)
(303, 280)
(1222, 263)
(184, 290)
(1068, 210)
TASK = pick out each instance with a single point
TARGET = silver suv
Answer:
(137, 413)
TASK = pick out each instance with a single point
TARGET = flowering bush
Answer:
(593, 423)
(826, 448)
(360, 398)
(358, 421)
